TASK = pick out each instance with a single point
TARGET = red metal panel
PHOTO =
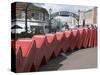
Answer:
(95, 43)
(17, 53)
(59, 37)
(96, 38)
(40, 50)
(75, 38)
(31, 53)
(66, 44)
(24, 38)
(81, 38)
(50, 45)
(29, 60)
(90, 38)
(93, 37)
(27, 47)
(19, 59)
(85, 42)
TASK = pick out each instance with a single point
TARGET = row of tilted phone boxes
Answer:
(30, 53)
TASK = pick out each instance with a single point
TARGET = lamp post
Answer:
(50, 10)
(26, 12)
(84, 20)
(78, 17)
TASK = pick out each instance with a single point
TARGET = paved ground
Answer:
(80, 59)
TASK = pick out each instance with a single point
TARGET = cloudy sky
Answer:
(63, 7)
(60, 7)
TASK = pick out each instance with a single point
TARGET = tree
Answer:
(57, 23)
(26, 12)
(50, 18)
(66, 25)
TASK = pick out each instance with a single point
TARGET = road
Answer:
(80, 59)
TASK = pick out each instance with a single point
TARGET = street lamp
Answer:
(26, 12)
(78, 17)
(84, 20)
(50, 10)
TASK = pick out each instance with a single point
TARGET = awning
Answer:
(16, 27)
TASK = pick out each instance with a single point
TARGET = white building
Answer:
(37, 18)
(89, 16)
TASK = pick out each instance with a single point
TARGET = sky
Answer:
(64, 7)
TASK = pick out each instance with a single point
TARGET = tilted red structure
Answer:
(30, 53)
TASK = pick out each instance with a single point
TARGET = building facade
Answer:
(37, 17)
(90, 17)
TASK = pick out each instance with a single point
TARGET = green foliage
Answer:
(22, 35)
(66, 25)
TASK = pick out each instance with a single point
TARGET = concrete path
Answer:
(80, 59)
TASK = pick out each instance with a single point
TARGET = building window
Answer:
(43, 17)
(40, 16)
(35, 16)
(22, 14)
(32, 14)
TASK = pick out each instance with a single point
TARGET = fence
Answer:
(30, 53)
